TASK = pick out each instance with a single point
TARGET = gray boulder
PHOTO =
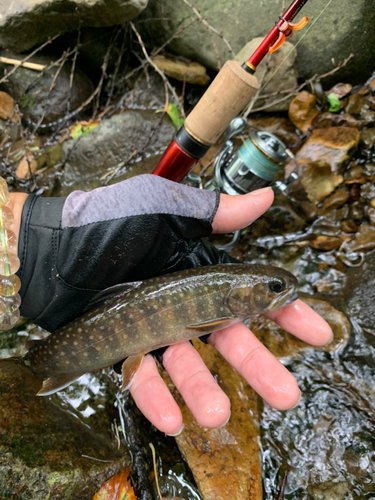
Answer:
(109, 147)
(26, 23)
(38, 102)
(345, 27)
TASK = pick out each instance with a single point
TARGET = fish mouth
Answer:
(275, 304)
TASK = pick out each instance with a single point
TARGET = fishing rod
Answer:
(225, 98)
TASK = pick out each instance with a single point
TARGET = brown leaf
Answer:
(7, 106)
(25, 167)
(325, 243)
(118, 487)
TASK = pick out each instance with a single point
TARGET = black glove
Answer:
(70, 249)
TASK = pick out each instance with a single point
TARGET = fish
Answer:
(133, 319)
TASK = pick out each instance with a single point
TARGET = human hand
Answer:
(238, 345)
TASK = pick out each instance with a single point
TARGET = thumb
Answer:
(237, 212)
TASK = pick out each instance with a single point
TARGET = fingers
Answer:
(300, 320)
(266, 375)
(206, 400)
(153, 398)
(208, 403)
(237, 212)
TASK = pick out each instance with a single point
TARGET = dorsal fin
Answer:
(111, 293)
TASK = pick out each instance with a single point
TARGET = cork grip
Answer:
(224, 99)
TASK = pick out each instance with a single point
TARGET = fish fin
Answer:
(111, 292)
(129, 368)
(54, 384)
(212, 325)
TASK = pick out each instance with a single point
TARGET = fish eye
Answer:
(277, 285)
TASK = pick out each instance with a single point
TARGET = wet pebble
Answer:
(364, 240)
(334, 201)
(325, 243)
(371, 216)
(329, 490)
(357, 210)
(328, 119)
(349, 226)
(354, 193)
(368, 137)
(340, 90)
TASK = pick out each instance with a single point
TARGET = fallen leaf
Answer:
(334, 103)
(173, 113)
(25, 167)
(118, 487)
(81, 129)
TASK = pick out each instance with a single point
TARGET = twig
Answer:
(104, 73)
(295, 91)
(151, 62)
(117, 68)
(63, 61)
(72, 71)
(50, 40)
(16, 62)
(281, 493)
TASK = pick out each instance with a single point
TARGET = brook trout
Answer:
(128, 321)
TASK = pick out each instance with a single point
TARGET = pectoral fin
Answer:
(54, 384)
(212, 326)
(129, 368)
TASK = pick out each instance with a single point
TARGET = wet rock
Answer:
(147, 93)
(26, 23)
(354, 193)
(37, 102)
(282, 127)
(329, 491)
(371, 215)
(318, 180)
(335, 145)
(368, 137)
(336, 200)
(241, 20)
(280, 219)
(109, 145)
(368, 191)
(357, 105)
(349, 226)
(225, 462)
(284, 60)
(357, 211)
(9, 132)
(303, 111)
(326, 243)
(46, 452)
(340, 90)
(364, 240)
(192, 72)
(327, 120)
(285, 346)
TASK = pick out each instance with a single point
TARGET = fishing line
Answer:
(295, 46)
